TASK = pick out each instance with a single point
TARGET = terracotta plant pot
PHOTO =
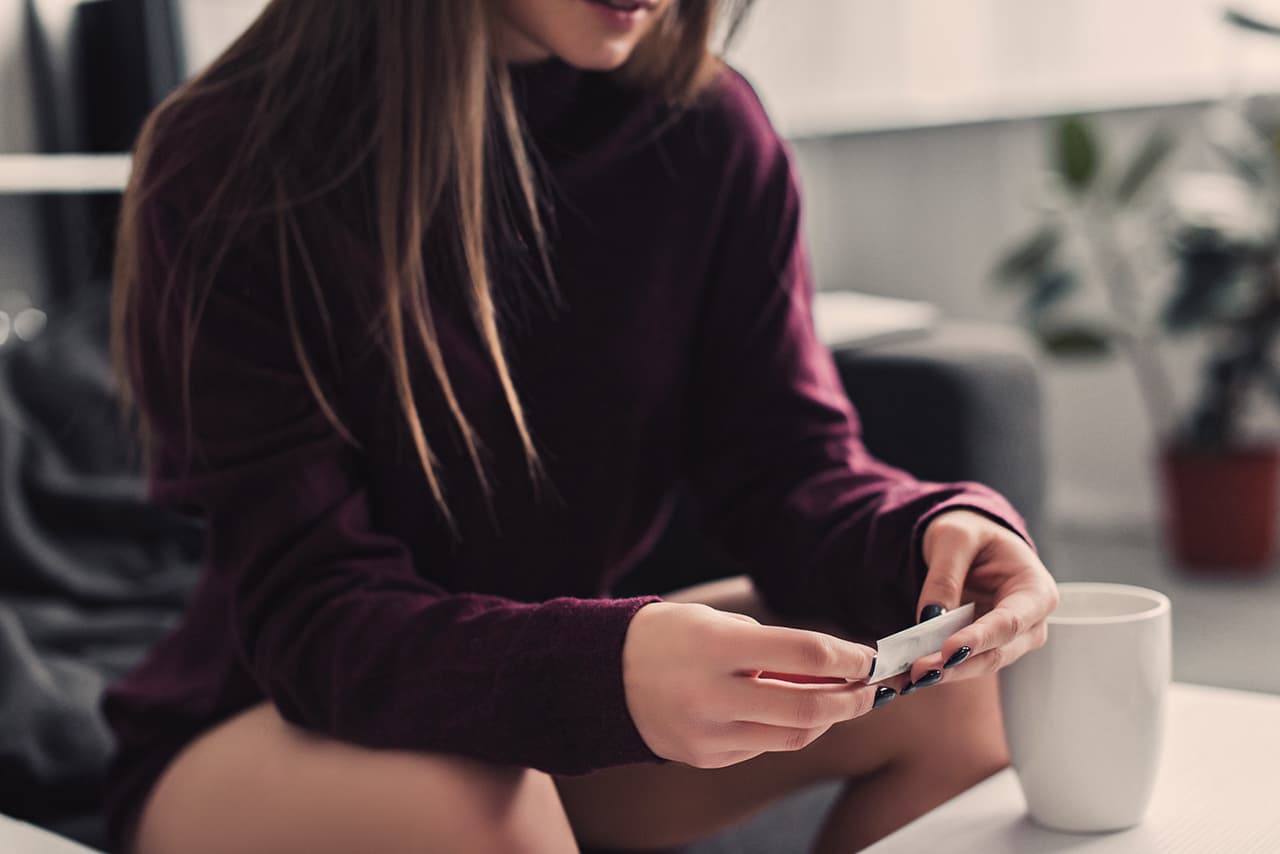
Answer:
(1220, 506)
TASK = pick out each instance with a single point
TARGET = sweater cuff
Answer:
(978, 499)
(576, 707)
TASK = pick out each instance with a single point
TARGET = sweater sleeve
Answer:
(786, 485)
(329, 615)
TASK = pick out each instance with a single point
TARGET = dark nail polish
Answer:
(928, 612)
(873, 668)
(956, 657)
(883, 696)
(933, 677)
(910, 686)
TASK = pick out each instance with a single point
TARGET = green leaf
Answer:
(1252, 167)
(1188, 309)
(1250, 153)
(1246, 21)
(1051, 288)
(1153, 154)
(1208, 285)
(1079, 156)
(1030, 258)
(1079, 340)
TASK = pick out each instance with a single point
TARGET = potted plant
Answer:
(1220, 232)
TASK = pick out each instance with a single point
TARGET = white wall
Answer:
(827, 65)
(208, 26)
(924, 214)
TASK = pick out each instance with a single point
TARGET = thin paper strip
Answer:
(896, 653)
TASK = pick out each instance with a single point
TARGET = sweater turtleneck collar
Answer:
(545, 91)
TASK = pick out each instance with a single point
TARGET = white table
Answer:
(1218, 790)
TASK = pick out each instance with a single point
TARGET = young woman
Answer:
(426, 307)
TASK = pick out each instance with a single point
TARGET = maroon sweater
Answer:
(684, 350)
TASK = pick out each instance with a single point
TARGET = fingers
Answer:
(950, 544)
(796, 706)
(740, 740)
(784, 704)
(959, 541)
(802, 679)
(973, 665)
(1012, 616)
(1003, 656)
(723, 760)
(797, 652)
(762, 738)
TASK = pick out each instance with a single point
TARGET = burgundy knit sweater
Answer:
(683, 350)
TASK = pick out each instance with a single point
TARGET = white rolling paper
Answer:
(896, 653)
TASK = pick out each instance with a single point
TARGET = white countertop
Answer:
(1218, 790)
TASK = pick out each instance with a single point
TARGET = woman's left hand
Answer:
(970, 558)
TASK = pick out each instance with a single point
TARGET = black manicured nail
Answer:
(956, 657)
(910, 686)
(933, 677)
(873, 667)
(883, 696)
(928, 612)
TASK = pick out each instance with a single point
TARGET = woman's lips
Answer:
(625, 5)
(624, 13)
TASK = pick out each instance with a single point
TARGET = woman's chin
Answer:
(600, 57)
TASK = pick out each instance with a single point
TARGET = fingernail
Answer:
(928, 612)
(956, 657)
(884, 695)
(873, 667)
(908, 688)
(933, 677)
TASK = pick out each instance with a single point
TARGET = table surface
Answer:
(1217, 790)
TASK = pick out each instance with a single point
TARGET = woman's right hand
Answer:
(693, 686)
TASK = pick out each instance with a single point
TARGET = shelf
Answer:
(30, 174)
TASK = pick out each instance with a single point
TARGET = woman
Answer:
(426, 307)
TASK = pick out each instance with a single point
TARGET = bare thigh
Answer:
(914, 753)
(258, 784)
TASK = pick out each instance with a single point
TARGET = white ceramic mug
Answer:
(1085, 713)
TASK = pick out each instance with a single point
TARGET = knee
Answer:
(513, 810)
(960, 737)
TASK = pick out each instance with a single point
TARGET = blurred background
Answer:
(1088, 189)
(1102, 177)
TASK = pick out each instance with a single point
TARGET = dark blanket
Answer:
(90, 574)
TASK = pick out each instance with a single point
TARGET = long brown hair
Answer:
(438, 112)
